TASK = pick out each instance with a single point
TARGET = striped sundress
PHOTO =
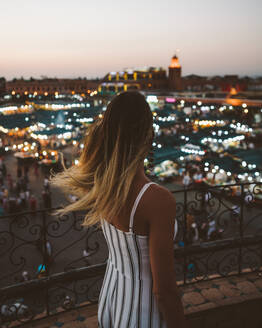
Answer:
(126, 299)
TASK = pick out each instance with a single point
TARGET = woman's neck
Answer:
(140, 174)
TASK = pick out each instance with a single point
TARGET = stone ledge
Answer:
(85, 316)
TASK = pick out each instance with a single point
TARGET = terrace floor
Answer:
(222, 303)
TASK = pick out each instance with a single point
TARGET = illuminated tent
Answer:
(226, 163)
(54, 131)
(250, 156)
(165, 124)
(72, 116)
(168, 140)
(164, 154)
(20, 121)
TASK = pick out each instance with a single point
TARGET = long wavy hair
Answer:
(114, 148)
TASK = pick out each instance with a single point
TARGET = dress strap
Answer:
(144, 188)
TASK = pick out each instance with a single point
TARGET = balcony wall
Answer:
(234, 302)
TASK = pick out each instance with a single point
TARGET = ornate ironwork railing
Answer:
(50, 264)
(227, 234)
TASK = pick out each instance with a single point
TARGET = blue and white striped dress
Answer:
(126, 299)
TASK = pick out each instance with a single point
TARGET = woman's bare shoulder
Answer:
(159, 200)
(162, 193)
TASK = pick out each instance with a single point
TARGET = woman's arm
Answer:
(161, 247)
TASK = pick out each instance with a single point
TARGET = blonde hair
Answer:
(114, 148)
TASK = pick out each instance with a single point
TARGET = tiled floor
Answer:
(210, 294)
(196, 297)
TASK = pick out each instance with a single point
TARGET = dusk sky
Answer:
(62, 38)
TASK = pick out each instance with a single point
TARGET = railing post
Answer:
(46, 260)
(185, 234)
(241, 219)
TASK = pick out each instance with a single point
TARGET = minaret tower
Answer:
(174, 76)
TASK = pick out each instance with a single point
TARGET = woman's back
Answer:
(126, 298)
(106, 180)
(142, 211)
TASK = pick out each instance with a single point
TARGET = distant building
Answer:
(227, 83)
(151, 78)
(256, 84)
(232, 84)
(51, 86)
(156, 79)
(174, 76)
(2, 85)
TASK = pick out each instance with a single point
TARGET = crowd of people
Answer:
(16, 193)
(202, 230)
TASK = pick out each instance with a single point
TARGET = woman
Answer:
(136, 215)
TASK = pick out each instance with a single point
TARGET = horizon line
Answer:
(42, 77)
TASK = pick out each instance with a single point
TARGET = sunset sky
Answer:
(62, 38)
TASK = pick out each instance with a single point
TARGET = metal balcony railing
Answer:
(50, 264)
